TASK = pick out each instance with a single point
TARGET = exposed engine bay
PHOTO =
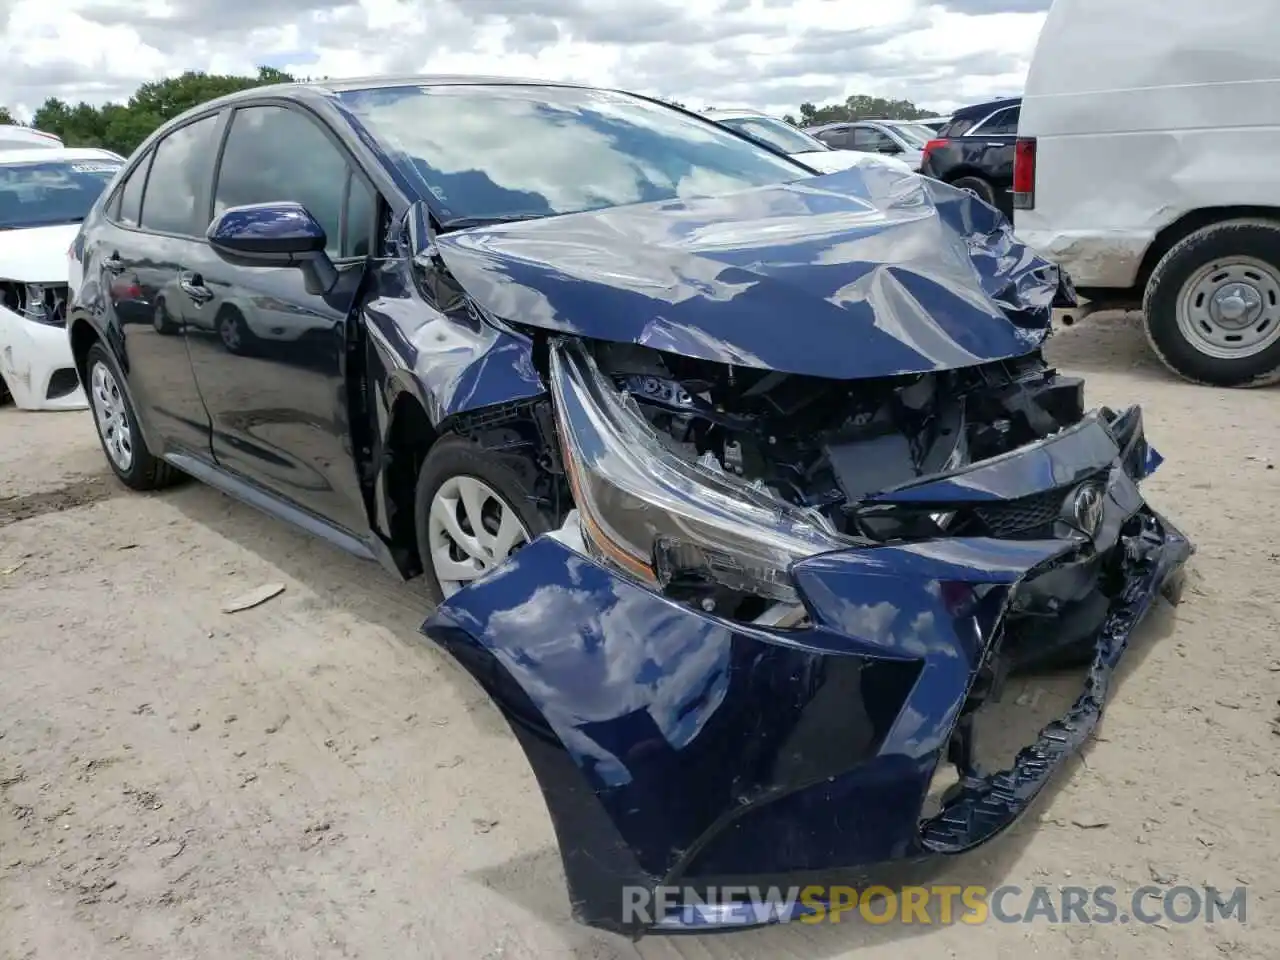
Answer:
(828, 444)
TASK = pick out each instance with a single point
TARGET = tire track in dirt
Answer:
(78, 492)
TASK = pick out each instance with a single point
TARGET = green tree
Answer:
(858, 107)
(6, 117)
(122, 126)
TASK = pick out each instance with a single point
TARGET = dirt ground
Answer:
(311, 779)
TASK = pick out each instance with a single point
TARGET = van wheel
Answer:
(978, 187)
(1212, 305)
(472, 511)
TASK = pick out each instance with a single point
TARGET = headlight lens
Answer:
(35, 306)
(655, 515)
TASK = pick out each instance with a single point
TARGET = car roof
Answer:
(979, 110)
(47, 154)
(735, 112)
(326, 88)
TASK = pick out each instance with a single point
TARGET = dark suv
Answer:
(974, 151)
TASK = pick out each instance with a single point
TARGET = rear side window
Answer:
(1004, 123)
(273, 154)
(129, 201)
(179, 177)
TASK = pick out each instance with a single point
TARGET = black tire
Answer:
(162, 320)
(454, 456)
(145, 471)
(977, 186)
(5, 395)
(1256, 239)
(244, 340)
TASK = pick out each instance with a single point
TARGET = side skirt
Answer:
(241, 489)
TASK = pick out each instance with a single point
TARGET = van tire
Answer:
(978, 187)
(1184, 266)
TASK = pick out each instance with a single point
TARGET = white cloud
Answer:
(770, 54)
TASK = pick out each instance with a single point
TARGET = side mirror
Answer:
(277, 234)
(890, 148)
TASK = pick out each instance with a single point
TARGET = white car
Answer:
(15, 137)
(44, 194)
(1147, 170)
(781, 136)
(897, 139)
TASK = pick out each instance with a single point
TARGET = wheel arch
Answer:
(1172, 234)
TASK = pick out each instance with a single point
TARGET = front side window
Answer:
(776, 134)
(179, 175)
(871, 140)
(516, 150)
(43, 193)
(838, 138)
(274, 154)
(916, 134)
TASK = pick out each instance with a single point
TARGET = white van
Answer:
(1147, 167)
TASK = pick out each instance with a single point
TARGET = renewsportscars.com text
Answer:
(941, 904)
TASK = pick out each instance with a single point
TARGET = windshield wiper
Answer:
(461, 223)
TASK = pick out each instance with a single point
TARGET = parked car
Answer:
(974, 152)
(1150, 175)
(781, 136)
(16, 137)
(44, 194)
(899, 139)
(739, 488)
(933, 123)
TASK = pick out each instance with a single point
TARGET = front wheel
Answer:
(472, 511)
(117, 424)
(1212, 305)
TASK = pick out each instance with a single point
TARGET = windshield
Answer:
(777, 134)
(51, 191)
(916, 134)
(514, 150)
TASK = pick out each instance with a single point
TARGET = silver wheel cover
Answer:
(470, 530)
(1230, 309)
(110, 415)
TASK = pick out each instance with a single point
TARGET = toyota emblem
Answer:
(1087, 508)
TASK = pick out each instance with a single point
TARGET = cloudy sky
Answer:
(770, 54)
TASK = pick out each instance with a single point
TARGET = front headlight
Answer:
(658, 516)
(36, 306)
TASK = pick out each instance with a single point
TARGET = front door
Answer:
(269, 350)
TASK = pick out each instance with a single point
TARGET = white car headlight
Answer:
(657, 516)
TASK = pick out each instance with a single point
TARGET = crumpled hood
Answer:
(862, 273)
(36, 254)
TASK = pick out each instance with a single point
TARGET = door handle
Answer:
(113, 263)
(192, 284)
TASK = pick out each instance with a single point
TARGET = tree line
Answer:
(122, 126)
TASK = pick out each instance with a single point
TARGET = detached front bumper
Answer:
(36, 363)
(678, 750)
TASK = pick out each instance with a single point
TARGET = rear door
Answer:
(270, 355)
(152, 221)
(989, 145)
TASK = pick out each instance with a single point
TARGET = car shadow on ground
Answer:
(535, 881)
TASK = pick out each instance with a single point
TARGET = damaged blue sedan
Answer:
(740, 488)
